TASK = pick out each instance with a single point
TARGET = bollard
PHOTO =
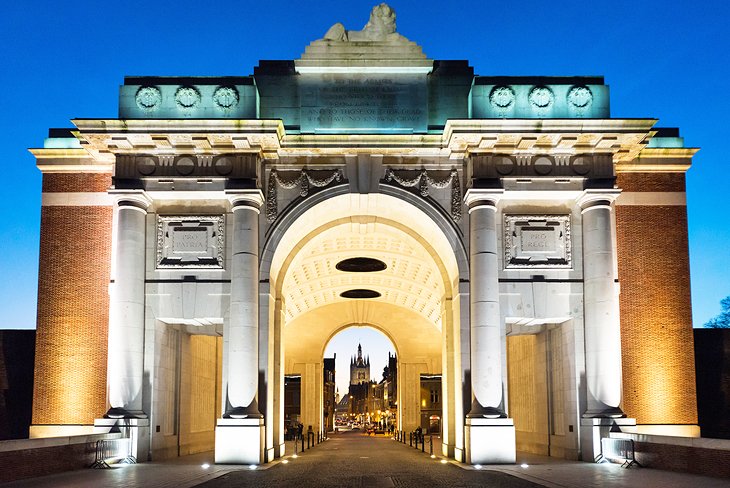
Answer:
(430, 445)
(302, 439)
(410, 439)
(296, 443)
(423, 443)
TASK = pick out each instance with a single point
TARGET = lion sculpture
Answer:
(380, 27)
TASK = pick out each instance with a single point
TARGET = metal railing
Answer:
(618, 450)
(113, 450)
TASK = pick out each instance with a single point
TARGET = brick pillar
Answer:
(656, 312)
(73, 303)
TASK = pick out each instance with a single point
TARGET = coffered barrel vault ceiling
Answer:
(411, 279)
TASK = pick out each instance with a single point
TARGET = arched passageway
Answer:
(418, 304)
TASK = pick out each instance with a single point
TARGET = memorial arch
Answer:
(189, 252)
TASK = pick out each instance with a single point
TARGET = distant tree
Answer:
(722, 321)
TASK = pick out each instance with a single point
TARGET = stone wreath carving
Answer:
(423, 181)
(148, 98)
(303, 181)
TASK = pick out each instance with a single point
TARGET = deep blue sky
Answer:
(61, 60)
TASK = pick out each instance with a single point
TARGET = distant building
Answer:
(329, 400)
(431, 404)
(359, 368)
(292, 400)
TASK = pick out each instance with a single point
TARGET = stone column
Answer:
(125, 370)
(600, 298)
(490, 436)
(486, 337)
(243, 330)
(125, 358)
(239, 434)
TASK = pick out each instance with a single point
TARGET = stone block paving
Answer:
(353, 460)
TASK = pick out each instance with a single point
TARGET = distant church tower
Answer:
(359, 368)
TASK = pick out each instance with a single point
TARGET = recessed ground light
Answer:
(360, 293)
(361, 265)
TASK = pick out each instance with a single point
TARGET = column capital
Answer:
(475, 197)
(131, 198)
(597, 198)
(252, 199)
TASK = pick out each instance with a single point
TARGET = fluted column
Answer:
(242, 330)
(486, 340)
(600, 298)
(125, 371)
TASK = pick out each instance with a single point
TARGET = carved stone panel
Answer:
(190, 241)
(537, 241)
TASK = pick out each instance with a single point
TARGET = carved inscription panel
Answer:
(375, 102)
(537, 241)
(190, 241)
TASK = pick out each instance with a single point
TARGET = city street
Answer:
(350, 459)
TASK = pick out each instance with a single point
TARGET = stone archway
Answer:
(421, 305)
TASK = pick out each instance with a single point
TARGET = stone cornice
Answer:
(210, 136)
(624, 138)
(70, 161)
(659, 160)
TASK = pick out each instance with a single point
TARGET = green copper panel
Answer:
(540, 98)
(186, 97)
(363, 103)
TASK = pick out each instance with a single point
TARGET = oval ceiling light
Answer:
(361, 265)
(360, 293)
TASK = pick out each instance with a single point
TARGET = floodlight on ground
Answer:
(285, 461)
(205, 465)
(477, 466)
(252, 467)
(523, 465)
(444, 461)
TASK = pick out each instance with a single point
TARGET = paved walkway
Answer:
(351, 459)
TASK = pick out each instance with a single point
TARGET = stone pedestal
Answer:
(136, 429)
(239, 441)
(593, 430)
(490, 441)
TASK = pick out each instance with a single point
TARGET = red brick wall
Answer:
(70, 182)
(684, 459)
(656, 314)
(73, 306)
(31, 463)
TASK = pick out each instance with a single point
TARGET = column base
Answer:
(490, 441)
(280, 450)
(239, 441)
(592, 430)
(136, 429)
